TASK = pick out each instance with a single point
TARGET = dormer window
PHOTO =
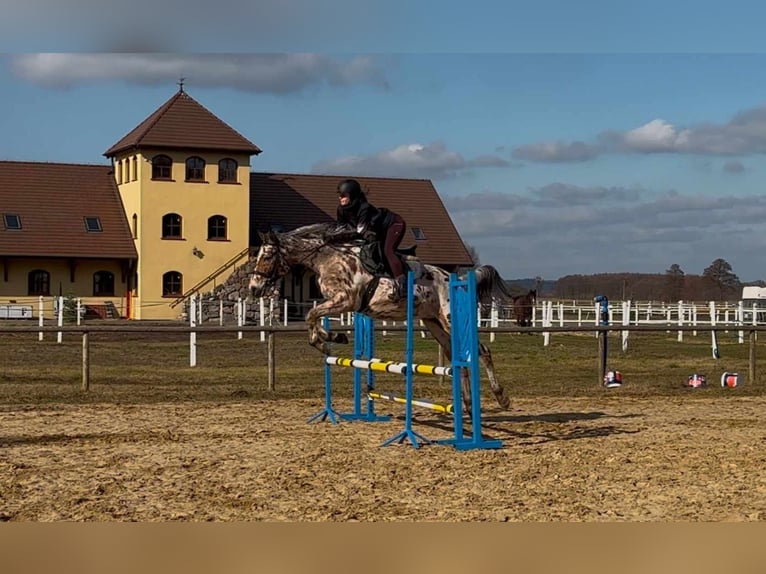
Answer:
(11, 221)
(92, 224)
(418, 234)
(195, 169)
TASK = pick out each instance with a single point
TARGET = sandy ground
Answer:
(611, 459)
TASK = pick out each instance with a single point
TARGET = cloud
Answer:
(568, 195)
(557, 151)
(744, 134)
(430, 161)
(733, 166)
(264, 73)
(561, 229)
(196, 26)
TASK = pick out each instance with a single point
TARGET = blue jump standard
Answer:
(465, 353)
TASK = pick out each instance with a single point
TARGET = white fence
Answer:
(548, 313)
(545, 313)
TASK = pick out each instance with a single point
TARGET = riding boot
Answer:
(399, 291)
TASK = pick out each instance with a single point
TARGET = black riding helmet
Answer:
(351, 188)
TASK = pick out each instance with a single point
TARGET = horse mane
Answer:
(331, 232)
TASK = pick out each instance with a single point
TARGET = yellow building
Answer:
(184, 179)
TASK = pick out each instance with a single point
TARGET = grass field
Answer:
(147, 368)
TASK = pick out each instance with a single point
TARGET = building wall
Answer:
(194, 256)
(15, 290)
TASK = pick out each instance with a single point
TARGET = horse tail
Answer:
(490, 285)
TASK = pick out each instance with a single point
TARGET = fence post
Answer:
(192, 334)
(85, 362)
(60, 317)
(40, 313)
(262, 317)
(751, 359)
(272, 361)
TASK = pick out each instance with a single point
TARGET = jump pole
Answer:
(446, 409)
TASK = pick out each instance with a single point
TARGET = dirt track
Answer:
(611, 459)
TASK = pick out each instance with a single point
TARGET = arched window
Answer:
(171, 226)
(161, 167)
(172, 284)
(118, 172)
(134, 171)
(135, 226)
(216, 227)
(195, 169)
(103, 284)
(227, 170)
(38, 282)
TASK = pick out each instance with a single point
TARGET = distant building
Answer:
(176, 211)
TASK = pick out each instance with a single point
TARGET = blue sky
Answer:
(549, 164)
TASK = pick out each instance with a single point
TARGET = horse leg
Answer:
(442, 336)
(318, 335)
(485, 357)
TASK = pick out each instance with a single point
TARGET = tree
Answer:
(674, 282)
(722, 277)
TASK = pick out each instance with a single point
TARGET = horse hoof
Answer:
(341, 339)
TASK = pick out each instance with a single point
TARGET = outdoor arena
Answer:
(155, 439)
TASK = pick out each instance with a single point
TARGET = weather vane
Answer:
(181, 83)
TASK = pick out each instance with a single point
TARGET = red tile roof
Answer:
(183, 123)
(52, 200)
(293, 200)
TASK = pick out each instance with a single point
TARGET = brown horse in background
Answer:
(523, 306)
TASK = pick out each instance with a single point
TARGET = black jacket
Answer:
(365, 217)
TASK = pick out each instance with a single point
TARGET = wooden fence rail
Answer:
(272, 330)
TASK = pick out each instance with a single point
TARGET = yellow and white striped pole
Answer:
(389, 366)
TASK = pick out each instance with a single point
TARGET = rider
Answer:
(374, 222)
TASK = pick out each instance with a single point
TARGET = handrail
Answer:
(210, 277)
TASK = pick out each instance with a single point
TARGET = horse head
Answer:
(270, 266)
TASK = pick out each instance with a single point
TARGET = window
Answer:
(161, 167)
(171, 226)
(103, 283)
(12, 221)
(195, 169)
(134, 171)
(418, 234)
(171, 284)
(135, 226)
(216, 227)
(39, 282)
(92, 224)
(227, 170)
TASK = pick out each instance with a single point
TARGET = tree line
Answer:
(718, 282)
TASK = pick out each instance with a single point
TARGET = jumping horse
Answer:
(332, 252)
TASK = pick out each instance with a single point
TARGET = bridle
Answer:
(280, 267)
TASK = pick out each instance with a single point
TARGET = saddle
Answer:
(374, 261)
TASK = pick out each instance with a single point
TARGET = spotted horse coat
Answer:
(332, 251)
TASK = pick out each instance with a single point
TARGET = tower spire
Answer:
(181, 84)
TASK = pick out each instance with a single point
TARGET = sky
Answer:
(625, 143)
